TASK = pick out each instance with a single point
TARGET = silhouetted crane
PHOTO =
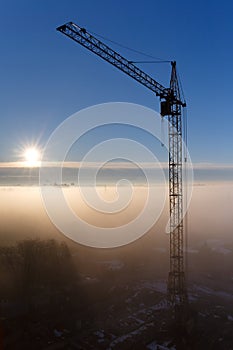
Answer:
(171, 106)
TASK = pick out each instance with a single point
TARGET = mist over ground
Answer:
(209, 215)
(56, 292)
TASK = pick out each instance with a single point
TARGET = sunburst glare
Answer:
(32, 157)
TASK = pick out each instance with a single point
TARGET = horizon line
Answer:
(115, 165)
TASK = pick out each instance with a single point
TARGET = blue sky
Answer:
(45, 77)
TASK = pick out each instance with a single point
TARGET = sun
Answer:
(32, 157)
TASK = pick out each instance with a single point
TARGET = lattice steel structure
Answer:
(176, 278)
(171, 106)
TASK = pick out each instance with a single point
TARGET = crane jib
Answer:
(84, 38)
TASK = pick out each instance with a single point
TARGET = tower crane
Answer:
(171, 107)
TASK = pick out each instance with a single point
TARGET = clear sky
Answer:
(45, 77)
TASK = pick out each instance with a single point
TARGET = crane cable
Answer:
(150, 61)
(162, 132)
(185, 140)
(133, 50)
(185, 130)
(181, 88)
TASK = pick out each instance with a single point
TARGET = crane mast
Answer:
(171, 106)
(176, 278)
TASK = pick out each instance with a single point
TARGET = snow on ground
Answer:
(158, 286)
(163, 304)
(100, 333)
(192, 297)
(155, 346)
(129, 335)
(138, 320)
(210, 291)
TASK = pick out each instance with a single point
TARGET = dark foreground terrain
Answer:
(50, 303)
